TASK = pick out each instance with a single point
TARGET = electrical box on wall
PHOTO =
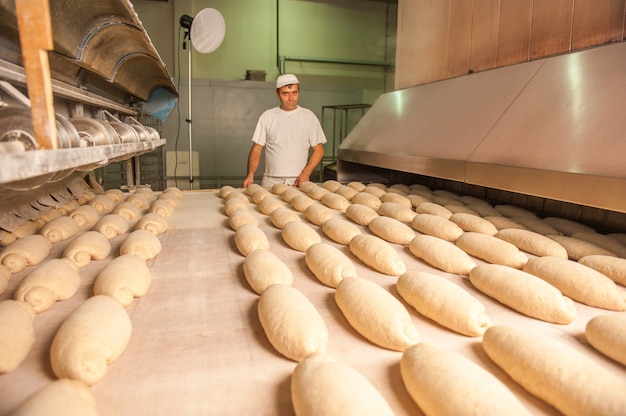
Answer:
(177, 168)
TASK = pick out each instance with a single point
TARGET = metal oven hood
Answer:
(553, 128)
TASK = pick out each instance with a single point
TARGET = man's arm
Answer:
(254, 160)
(314, 160)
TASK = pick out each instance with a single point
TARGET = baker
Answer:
(286, 132)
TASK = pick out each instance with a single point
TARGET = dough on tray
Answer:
(447, 383)
(318, 214)
(469, 222)
(437, 227)
(17, 333)
(93, 336)
(281, 216)
(268, 205)
(289, 194)
(27, 251)
(503, 223)
(612, 267)
(260, 194)
(162, 207)
(111, 225)
(141, 243)
(125, 277)
(376, 314)
(397, 211)
(568, 227)
(532, 242)
(577, 249)
(240, 217)
(335, 201)
(524, 293)
(249, 238)
(433, 209)
(392, 230)
(514, 211)
(607, 334)
(356, 185)
(103, 203)
(252, 188)
(116, 195)
(331, 185)
(301, 202)
(444, 302)
(300, 236)
(262, 268)
(340, 230)
(85, 215)
(329, 264)
(367, 199)
(609, 243)
(396, 198)
(378, 254)
(225, 190)
(537, 225)
(234, 204)
(579, 282)
(361, 214)
(140, 200)
(60, 229)
(322, 386)
(346, 192)
(153, 222)
(5, 275)
(127, 210)
(62, 397)
(91, 245)
(491, 249)
(291, 322)
(565, 378)
(54, 280)
(441, 254)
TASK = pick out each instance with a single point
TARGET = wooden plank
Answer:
(33, 20)
(406, 49)
(514, 33)
(551, 27)
(459, 38)
(484, 33)
(597, 22)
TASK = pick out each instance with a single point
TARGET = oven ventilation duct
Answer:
(552, 128)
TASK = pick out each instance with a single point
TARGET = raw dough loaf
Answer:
(397, 211)
(461, 209)
(260, 194)
(514, 211)
(93, 336)
(52, 281)
(375, 190)
(469, 222)
(240, 217)
(291, 322)
(127, 210)
(441, 254)
(62, 397)
(237, 195)
(578, 282)
(444, 302)
(417, 199)
(392, 230)
(378, 254)
(361, 214)
(376, 314)
(111, 225)
(335, 201)
(447, 383)
(322, 386)
(27, 251)
(396, 198)
(301, 202)
(568, 227)
(225, 190)
(141, 243)
(5, 275)
(532, 242)
(69, 206)
(612, 267)
(318, 214)
(249, 238)
(85, 215)
(279, 188)
(318, 192)
(340, 230)
(268, 205)
(174, 190)
(60, 229)
(437, 227)
(607, 334)
(357, 186)
(233, 205)
(433, 209)
(171, 198)
(609, 243)
(262, 268)
(537, 225)
(25, 229)
(502, 223)
(145, 192)
(307, 186)
(116, 195)
(252, 188)
(524, 293)
(565, 378)
(346, 192)
(17, 333)
(577, 249)
(48, 216)
(331, 185)
(290, 194)
(367, 199)
(300, 236)
(491, 249)
(163, 207)
(88, 246)
(282, 216)
(329, 264)
(485, 210)
(472, 200)
(153, 222)
(103, 203)
(139, 200)
(126, 277)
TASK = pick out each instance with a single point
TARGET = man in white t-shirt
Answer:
(286, 132)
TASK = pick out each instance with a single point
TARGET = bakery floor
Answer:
(198, 348)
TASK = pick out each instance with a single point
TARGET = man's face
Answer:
(288, 96)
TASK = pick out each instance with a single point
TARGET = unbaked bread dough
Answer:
(279, 188)
(300, 236)
(376, 314)
(346, 192)
(322, 386)
(375, 190)
(367, 199)
(291, 322)
(5, 275)
(281, 216)
(433, 209)
(163, 207)
(469, 222)
(331, 185)
(491, 249)
(62, 397)
(116, 195)
(268, 205)
(260, 194)
(47, 216)
(27, 251)
(262, 268)
(357, 186)
(237, 195)
(565, 378)
(437, 227)
(568, 227)
(612, 267)
(111, 225)
(125, 277)
(523, 292)
(85, 215)
(397, 211)
(252, 188)
(141, 243)
(441, 254)
(170, 197)
(447, 383)
(607, 334)
(175, 191)
(318, 214)
(93, 336)
(103, 203)
(502, 223)
(88, 246)
(417, 199)
(145, 192)
(139, 200)
(577, 249)
(25, 229)
(485, 210)
(578, 282)
(307, 186)
(361, 214)
(240, 217)
(335, 201)
(289, 194)
(461, 209)
(378, 254)
(444, 302)
(71, 205)
(608, 243)
(54, 280)
(249, 238)
(392, 230)
(17, 333)
(153, 222)
(302, 202)
(514, 211)
(317, 192)
(329, 264)
(536, 225)
(225, 190)
(340, 230)
(396, 198)
(60, 229)
(127, 210)
(532, 242)
(234, 204)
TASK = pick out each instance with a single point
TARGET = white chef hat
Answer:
(286, 79)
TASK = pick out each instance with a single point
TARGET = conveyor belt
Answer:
(198, 348)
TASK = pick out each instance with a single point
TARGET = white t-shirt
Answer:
(287, 136)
